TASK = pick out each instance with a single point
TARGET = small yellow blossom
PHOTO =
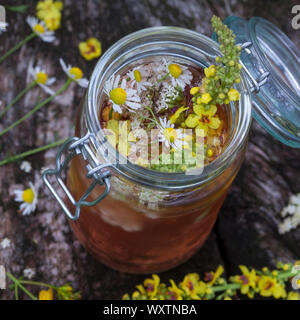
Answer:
(174, 70)
(248, 281)
(203, 119)
(152, 285)
(210, 72)
(90, 49)
(233, 95)
(193, 287)
(269, 286)
(194, 90)
(137, 75)
(50, 13)
(46, 294)
(205, 98)
(216, 275)
(174, 291)
(176, 115)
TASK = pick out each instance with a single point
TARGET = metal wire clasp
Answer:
(262, 79)
(72, 147)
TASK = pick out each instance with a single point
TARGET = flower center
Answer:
(268, 285)
(76, 72)
(170, 134)
(205, 119)
(175, 70)
(137, 75)
(39, 28)
(118, 96)
(41, 77)
(28, 195)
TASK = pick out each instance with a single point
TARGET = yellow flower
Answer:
(46, 294)
(175, 292)
(233, 95)
(247, 280)
(216, 275)
(210, 72)
(174, 70)
(205, 98)
(203, 119)
(152, 285)
(269, 286)
(176, 115)
(293, 295)
(50, 13)
(90, 49)
(193, 287)
(194, 90)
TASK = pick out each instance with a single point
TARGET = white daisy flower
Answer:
(40, 29)
(120, 96)
(169, 135)
(3, 26)
(28, 197)
(137, 77)
(74, 73)
(25, 166)
(5, 243)
(180, 75)
(41, 78)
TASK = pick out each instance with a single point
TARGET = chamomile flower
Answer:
(169, 135)
(74, 73)
(28, 197)
(180, 75)
(137, 77)
(120, 96)
(3, 26)
(25, 166)
(41, 78)
(40, 29)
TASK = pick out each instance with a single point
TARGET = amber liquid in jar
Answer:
(150, 236)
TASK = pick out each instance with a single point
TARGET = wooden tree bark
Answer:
(246, 230)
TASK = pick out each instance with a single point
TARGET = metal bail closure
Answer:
(72, 147)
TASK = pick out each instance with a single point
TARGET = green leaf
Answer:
(21, 8)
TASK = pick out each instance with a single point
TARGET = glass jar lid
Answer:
(271, 62)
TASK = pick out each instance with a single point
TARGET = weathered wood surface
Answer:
(246, 231)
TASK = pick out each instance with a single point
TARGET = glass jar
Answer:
(131, 218)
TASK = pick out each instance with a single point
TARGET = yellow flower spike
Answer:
(90, 49)
(194, 90)
(233, 95)
(76, 72)
(39, 28)
(41, 77)
(46, 294)
(118, 96)
(28, 195)
(174, 70)
(210, 72)
(206, 98)
(137, 75)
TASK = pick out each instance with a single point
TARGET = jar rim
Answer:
(157, 179)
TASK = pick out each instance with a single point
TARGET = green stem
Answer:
(16, 292)
(287, 275)
(17, 46)
(17, 282)
(230, 286)
(36, 283)
(163, 78)
(37, 107)
(17, 98)
(31, 152)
